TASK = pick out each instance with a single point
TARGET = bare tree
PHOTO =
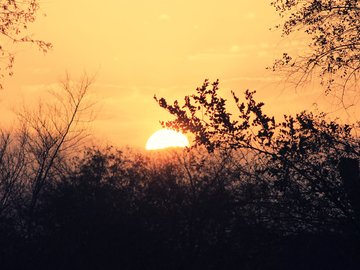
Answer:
(53, 131)
(15, 16)
(334, 29)
(12, 167)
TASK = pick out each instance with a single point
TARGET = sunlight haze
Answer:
(140, 48)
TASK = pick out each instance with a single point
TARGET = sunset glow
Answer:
(180, 134)
(165, 138)
(138, 49)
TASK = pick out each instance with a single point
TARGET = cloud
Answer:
(266, 78)
(164, 17)
(264, 45)
(262, 54)
(250, 15)
(234, 48)
(216, 56)
(40, 71)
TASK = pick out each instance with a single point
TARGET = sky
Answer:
(139, 48)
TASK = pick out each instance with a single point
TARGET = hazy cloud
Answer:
(164, 17)
(234, 48)
(250, 15)
(216, 55)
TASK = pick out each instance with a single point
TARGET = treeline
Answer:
(252, 193)
(120, 209)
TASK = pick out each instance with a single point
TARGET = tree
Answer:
(334, 29)
(297, 157)
(37, 150)
(15, 16)
(12, 168)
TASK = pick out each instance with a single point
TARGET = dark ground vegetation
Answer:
(254, 193)
(284, 197)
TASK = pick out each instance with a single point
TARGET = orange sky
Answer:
(139, 48)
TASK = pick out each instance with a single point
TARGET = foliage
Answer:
(261, 202)
(15, 17)
(183, 210)
(297, 157)
(334, 28)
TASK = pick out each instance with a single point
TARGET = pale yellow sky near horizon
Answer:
(139, 48)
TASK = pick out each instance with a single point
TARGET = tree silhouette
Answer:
(15, 16)
(297, 157)
(187, 210)
(335, 41)
(12, 169)
(35, 152)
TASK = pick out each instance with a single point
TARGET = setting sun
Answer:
(165, 138)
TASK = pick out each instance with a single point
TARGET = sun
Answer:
(165, 138)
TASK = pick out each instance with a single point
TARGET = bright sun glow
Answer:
(165, 138)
